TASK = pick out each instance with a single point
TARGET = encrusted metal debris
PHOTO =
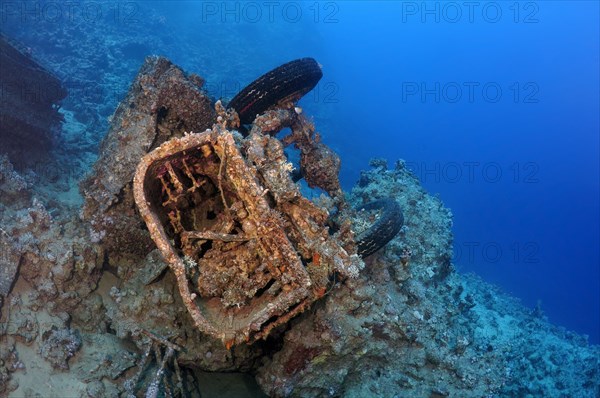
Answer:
(248, 250)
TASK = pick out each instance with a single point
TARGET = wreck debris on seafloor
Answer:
(286, 83)
(95, 296)
(162, 103)
(249, 252)
(247, 244)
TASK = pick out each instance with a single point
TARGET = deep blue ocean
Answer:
(496, 109)
(493, 105)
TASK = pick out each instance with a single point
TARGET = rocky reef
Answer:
(411, 326)
(162, 103)
(91, 308)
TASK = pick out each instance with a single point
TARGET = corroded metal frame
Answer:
(232, 324)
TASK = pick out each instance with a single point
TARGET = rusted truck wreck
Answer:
(249, 251)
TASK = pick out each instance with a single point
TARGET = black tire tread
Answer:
(287, 82)
(383, 230)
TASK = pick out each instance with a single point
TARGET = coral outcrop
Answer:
(98, 297)
(162, 103)
(48, 277)
(411, 326)
(59, 345)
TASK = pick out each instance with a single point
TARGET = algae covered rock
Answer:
(59, 345)
(411, 326)
(163, 102)
(105, 310)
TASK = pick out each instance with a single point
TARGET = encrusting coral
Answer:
(406, 324)
(249, 251)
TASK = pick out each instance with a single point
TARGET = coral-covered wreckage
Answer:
(196, 261)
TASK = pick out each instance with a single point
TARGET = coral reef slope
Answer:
(90, 308)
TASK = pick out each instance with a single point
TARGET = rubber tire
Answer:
(384, 229)
(288, 82)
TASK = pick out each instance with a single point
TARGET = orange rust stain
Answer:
(316, 259)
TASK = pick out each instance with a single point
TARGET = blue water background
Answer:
(495, 108)
(518, 167)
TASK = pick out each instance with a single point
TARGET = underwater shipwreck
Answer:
(208, 261)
